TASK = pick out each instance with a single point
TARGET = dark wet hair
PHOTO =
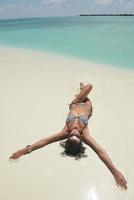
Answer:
(74, 150)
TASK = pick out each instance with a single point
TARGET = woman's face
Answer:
(74, 137)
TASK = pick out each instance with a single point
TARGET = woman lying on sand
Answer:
(76, 132)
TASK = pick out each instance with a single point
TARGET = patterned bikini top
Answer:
(83, 118)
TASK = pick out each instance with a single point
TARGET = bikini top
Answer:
(83, 118)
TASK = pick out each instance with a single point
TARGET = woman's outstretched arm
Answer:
(41, 143)
(118, 176)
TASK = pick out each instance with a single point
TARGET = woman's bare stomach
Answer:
(81, 109)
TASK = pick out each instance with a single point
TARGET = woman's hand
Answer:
(18, 154)
(120, 180)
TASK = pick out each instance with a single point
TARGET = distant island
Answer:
(106, 15)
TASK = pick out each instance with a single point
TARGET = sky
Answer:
(43, 8)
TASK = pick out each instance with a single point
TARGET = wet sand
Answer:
(35, 90)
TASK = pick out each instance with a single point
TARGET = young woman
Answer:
(76, 133)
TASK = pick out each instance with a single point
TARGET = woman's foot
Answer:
(81, 85)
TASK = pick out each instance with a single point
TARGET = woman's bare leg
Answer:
(84, 91)
(86, 100)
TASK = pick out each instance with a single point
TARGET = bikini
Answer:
(83, 118)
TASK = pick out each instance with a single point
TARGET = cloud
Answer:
(104, 1)
(30, 8)
(53, 2)
(10, 6)
(2, 10)
(112, 2)
(26, 8)
(6, 8)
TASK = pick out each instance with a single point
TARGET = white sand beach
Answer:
(35, 89)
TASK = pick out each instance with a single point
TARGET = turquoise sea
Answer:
(105, 40)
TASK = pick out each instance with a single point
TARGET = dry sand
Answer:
(35, 89)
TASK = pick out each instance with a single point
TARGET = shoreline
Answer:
(99, 66)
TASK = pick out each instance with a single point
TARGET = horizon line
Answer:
(95, 14)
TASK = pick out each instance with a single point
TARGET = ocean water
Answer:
(105, 40)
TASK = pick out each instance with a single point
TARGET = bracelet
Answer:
(28, 149)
